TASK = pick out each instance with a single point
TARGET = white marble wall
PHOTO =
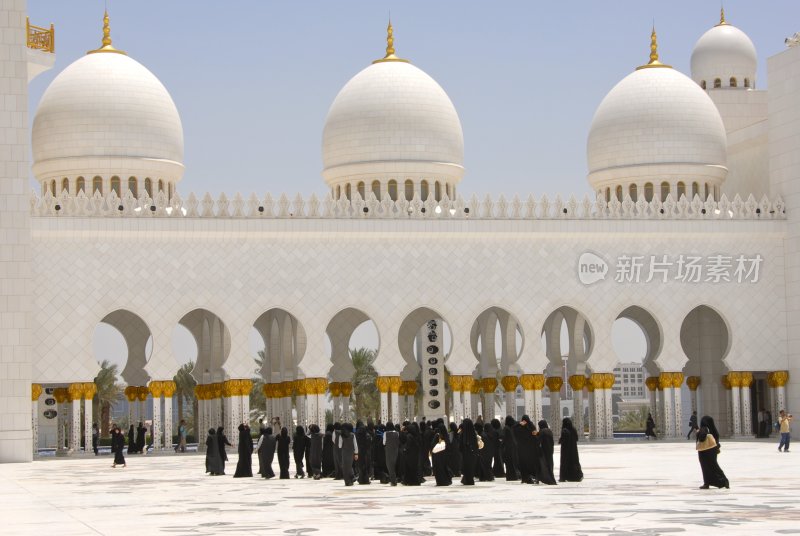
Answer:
(16, 443)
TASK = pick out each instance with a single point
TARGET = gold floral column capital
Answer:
(735, 379)
(476, 387)
(467, 383)
(75, 391)
(532, 382)
(347, 388)
(747, 379)
(89, 390)
(589, 384)
(577, 382)
(36, 392)
(395, 383)
(651, 382)
(726, 381)
(780, 377)
(509, 383)
(664, 380)
(411, 387)
(598, 380)
(455, 383)
(382, 382)
(155, 389)
(693, 382)
(335, 388)
(489, 385)
(677, 379)
(60, 394)
(169, 388)
(320, 385)
(131, 392)
(554, 383)
(608, 380)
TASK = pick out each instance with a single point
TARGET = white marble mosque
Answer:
(691, 230)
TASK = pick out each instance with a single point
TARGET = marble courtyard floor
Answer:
(630, 488)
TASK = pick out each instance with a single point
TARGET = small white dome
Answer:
(106, 114)
(392, 120)
(724, 53)
(656, 125)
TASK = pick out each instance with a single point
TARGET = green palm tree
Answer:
(108, 392)
(366, 399)
(184, 388)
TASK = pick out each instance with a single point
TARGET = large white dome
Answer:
(656, 125)
(105, 115)
(724, 54)
(392, 121)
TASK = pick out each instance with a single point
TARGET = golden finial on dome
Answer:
(107, 47)
(653, 53)
(390, 47)
(722, 21)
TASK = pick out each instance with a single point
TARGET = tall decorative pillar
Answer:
(747, 420)
(169, 388)
(781, 378)
(592, 408)
(457, 407)
(403, 403)
(320, 388)
(141, 395)
(230, 402)
(89, 390)
(336, 398)
(527, 381)
(60, 394)
(665, 406)
(201, 423)
(726, 384)
(285, 389)
(652, 385)
(347, 389)
(608, 407)
(598, 380)
(509, 384)
(488, 386)
(735, 379)
(395, 385)
(411, 399)
(36, 392)
(475, 399)
(677, 415)
(382, 382)
(693, 382)
(577, 382)
(155, 429)
(131, 396)
(554, 384)
(300, 402)
(538, 386)
(74, 396)
(466, 388)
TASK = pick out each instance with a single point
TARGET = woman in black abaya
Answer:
(349, 449)
(486, 454)
(117, 446)
(131, 441)
(650, 427)
(315, 452)
(244, 467)
(283, 452)
(364, 462)
(493, 435)
(527, 450)
(453, 454)
(570, 470)
(468, 445)
(299, 446)
(411, 456)
(141, 432)
(213, 461)
(328, 465)
(712, 472)
(546, 441)
(441, 471)
(222, 440)
(510, 450)
(266, 453)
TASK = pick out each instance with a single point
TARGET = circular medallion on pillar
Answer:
(36, 392)
(509, 383)
(693, 382)
(677, 379)
(652, 383)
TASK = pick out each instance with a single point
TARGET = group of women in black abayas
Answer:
(136, 439)
(406, 453)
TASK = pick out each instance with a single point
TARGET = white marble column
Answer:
(168, 422)
(201, 423)
(346, 409)
(747, 424)
(61, 435)
(677, 404)
(467, 401)
(538, 410)
(75, 425)
(475, 404)
(668, 418)
(599, 412)
(337, 408)
(395, 405)
(244, 407)
(608, 412)
(736, 412)
(488, 406)
(300, 406)
(384, 406)
(155, 429)
(592, 419)
(35, 425)
(87, 424)
(527, 395)
(313, 410)
(780, 397)
(577, 410)
(555, 412)
(411, 407)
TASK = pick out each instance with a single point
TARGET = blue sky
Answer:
(253, 80)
